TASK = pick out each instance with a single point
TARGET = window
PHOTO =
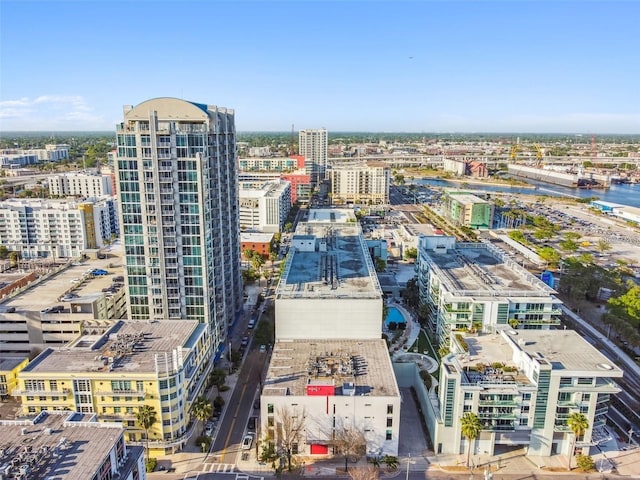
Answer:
(389, 434)
(389, 422)
(269, 407)
(586, 397)
(468, 395)
(389, 409)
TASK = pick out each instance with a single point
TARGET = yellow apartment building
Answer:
(163, 364)
(9, 368)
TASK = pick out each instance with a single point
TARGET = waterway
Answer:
(625, 194)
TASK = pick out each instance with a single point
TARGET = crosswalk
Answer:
(219, 468)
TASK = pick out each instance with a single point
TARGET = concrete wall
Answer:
(330, 318)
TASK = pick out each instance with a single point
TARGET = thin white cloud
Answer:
(64, 112)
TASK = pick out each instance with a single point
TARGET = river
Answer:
(625, 194)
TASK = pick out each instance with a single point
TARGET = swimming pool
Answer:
(394, 315)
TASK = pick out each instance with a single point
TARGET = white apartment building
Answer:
(329, 288)
(177, 175)
(334, 387)
(55, 228)
(279, 164)
(312, 144)
(477, 287)
(265, 209)
(523, 384)
(81, 185)
(362, 182)
(52, 152)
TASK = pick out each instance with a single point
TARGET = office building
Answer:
(265, 208)
(80, 185)
(177, 185)
(465, 209)
(312, 145)
(161, 364)
(361, 183)
(476, 287)
(67, 446)
(524, 385)
(55, 228)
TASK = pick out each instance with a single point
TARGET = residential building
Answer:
(56, 229)
(312, 145)
(80, 185)
(334, 386)
(300, 190)
(162, 364)
(271, 164)
(52, 152)
(477, 287)
(177, 186)
(466, 209)
(15, 159)
(68, 446)
(524, 385)
(257, 241)
(362, 182)
(9, 369)
(266, 208)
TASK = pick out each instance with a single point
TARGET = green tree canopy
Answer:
(146, 417)
(578, 424)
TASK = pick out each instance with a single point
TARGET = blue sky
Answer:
(417, 66)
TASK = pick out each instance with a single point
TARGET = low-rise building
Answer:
(320, 393)
(468, 210)
(271, 164)
(161, 364)
(9, 369)
(256, 241)
(67, 446)
(477, 287)
(523, 385)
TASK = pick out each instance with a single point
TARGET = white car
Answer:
(247, 441)
(208, 430)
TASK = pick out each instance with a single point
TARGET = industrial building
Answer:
(466, 209)
(523, 384)
(162, 364)
(476, 287)
(360, 183)
(177, 186)
(67, 446)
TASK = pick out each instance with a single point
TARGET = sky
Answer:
(544, 66)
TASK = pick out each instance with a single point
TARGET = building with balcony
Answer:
(266, 208)
(523, 384)
(312, 145)
(177, 186)
(161, 364)
(477, 287)
(67, 446)
(80, 185)
(271, 164)
(329, 288)
(55, 228)
(9, 369)
(362, 183)
(334, 387)
(468, 210)
(300, 190)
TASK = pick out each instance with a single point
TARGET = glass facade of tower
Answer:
(177, 184)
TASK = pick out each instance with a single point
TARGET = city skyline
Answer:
(379, 66)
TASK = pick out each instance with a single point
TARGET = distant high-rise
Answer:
(177, 184)
(313, 146)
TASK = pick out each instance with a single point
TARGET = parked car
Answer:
(119, 278)
(208, 430)
(263, 348)
(247, 441)
(252, 423)
(56, 309)
(245, 341)
(99, 272)
(252, 323)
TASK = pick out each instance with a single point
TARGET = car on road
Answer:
(208, 430)
(245, 341)
(263, 348)
(252, 323)
(247, 441)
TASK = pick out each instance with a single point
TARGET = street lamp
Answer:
(630, 432)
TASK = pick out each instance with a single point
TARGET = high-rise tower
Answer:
(177, 185)
(313, 145)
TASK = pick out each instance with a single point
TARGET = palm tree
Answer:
(603, 246)
(470, 428)
(578, 424)
(146, 417)
(202, 409)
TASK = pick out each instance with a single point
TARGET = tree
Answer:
(350, 442)
(270, 455)
(550, 255)
(370, 472)
(470, 428)
(575, 236)
(411, 253)
(603, 246)
(288, 227)
(4, 252)
(578, 424)
(568, 245)
(627, 305)
(14, 258)
(202, 409)
(391, 462)
(290, 426)
(381, 265)
(146, 417)
(585, 463)
(218, 377)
